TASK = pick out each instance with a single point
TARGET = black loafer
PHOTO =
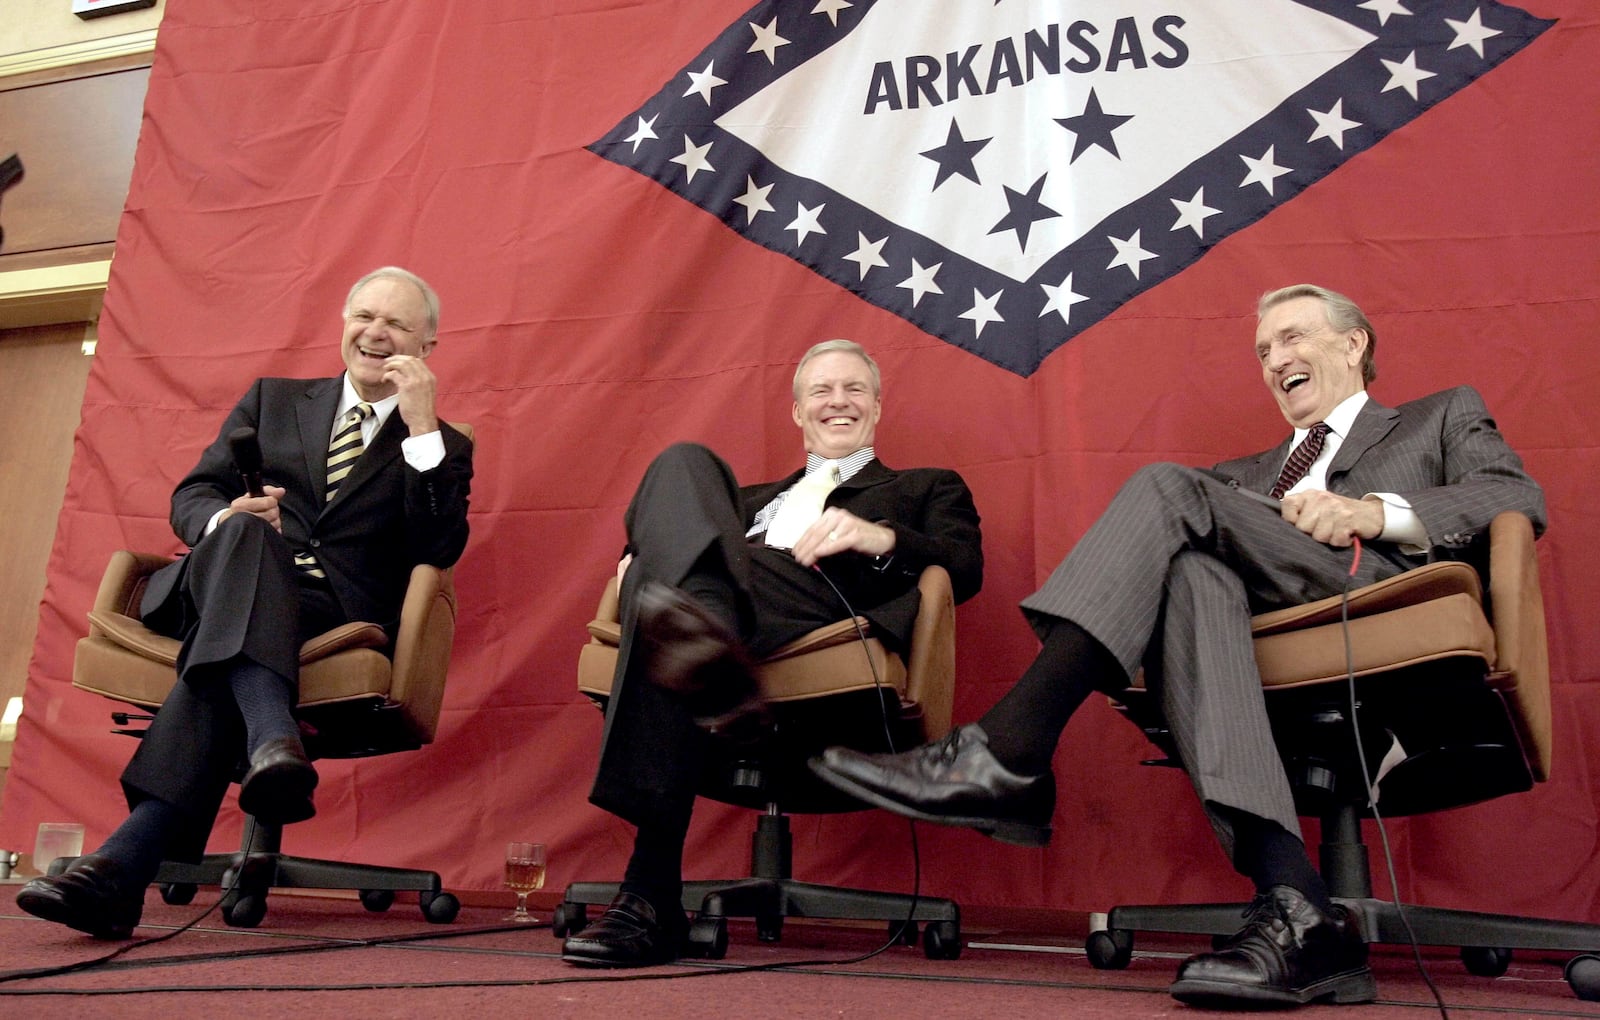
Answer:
(91, 896)
(277, 789)
(1288, 953)
(693, 654)
(954, 781)
(628, 934)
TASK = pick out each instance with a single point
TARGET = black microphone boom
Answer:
(247, 458)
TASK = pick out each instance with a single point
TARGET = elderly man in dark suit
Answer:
(1168, 578)
(717, 575)
(361, 483)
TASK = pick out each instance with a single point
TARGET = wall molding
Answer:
(52, 294)
(68, 54)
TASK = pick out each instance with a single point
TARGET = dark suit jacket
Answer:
(934, 522)
(1442, 453)
(386, 518)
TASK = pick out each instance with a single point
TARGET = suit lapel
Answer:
(1372, 424)
(1263, 472)
(314, 417)
(873, 472)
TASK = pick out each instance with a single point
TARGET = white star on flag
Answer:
(1263, 171)
(1062, 298)
(1405, 74)
(1129, 253)
(866, 256)
(831, 8)
(754, 199)
(806, 222)
(767, 40)
(702, 82)
(1384, 9)
(1191, 214)
(1470, 32)
(1331, 124)
(920, 281)
(693, 158)
(643, 133)
(982, 311)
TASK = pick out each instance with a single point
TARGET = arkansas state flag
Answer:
(1049, 222)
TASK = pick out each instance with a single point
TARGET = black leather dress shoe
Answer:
(1288, 953)
(628, 934)
(954, 781)
(91, 895)
(277, 789)
(693, 654)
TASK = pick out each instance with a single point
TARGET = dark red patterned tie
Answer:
(1300, 459)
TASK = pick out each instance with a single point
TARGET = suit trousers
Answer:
(686, 519)
(1167, 580)
(236, 594)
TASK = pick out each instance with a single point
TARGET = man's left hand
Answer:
(839, 530)
(1333, 519)
(416, 384)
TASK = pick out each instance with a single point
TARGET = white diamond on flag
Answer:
(1018, 144)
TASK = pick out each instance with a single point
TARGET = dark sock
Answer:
(708, 583)
(139, 844)
(1269, 855)
(266, 701)
(655, 871)
(1025, 725)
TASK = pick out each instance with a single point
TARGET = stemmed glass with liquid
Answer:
(524, 874)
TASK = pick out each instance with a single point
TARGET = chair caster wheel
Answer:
(1485, 961)
(1583, 974)
(178, 893)
(708, 937)
(941, 940)
(1110, 949)
(439, 907)
(377, 900)
(568, 919)
(246, 911)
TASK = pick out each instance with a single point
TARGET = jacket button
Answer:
(316, 543)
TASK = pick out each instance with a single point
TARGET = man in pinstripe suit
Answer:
(1167, 580)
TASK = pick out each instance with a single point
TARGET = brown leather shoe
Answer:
(1288, 953)
(693, 654)
(277, 789)
(91, 895)
(954, 781)
(628, 934)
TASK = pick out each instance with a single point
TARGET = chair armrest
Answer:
(931, 671)
(122, 585)
(422, 649)
(1420, 584)
(1522, 655)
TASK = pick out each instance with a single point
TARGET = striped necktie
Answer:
(343, 451)
(1301, 459)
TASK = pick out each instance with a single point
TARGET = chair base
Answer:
(1485, 940)
(265, 867)
(771, 895)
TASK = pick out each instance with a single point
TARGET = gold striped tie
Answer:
(343, 451)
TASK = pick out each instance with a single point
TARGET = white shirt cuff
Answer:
(1401, 525)
(424, 452)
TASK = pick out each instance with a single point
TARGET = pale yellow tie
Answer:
(802, 506)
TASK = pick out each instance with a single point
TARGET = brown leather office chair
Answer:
(822, 691)
(1454, 688)
(356, 700)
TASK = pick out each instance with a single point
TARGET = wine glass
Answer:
(524, 874)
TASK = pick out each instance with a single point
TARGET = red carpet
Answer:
(314, 956)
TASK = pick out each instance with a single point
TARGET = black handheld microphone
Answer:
(247, 458)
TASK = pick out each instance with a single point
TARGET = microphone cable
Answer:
(1367, 783)
(97, 961)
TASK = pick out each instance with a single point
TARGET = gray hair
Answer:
(429, 297)
(846, 347)
(1343, 315)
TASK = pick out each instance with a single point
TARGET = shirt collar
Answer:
(1340, 420)
(848, 466)
(381, 409)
